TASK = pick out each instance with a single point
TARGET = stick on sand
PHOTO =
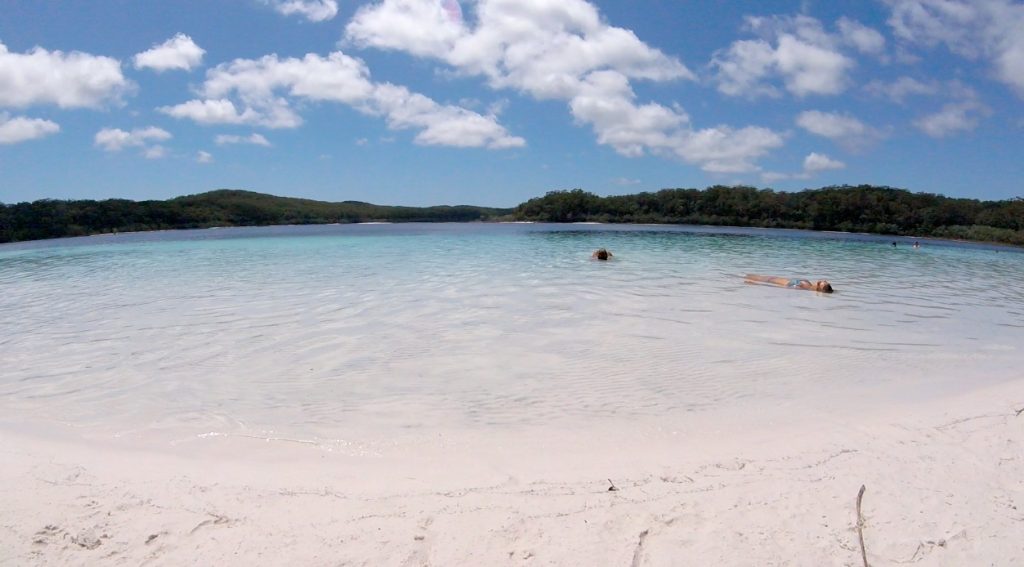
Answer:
(860, 527)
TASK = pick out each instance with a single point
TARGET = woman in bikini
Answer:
(794, 283)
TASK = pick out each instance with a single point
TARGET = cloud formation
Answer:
(312, 10)
(843, 129)
(14, 130)
(115, 139)
(796, 50)
(179, 52)
(953, 118)
(976, 29)
(67, 80)
(902, 88)
(272, 114)
(266, 87)
(563, 51)
(815, 162)
(861, 37)
(254, 139)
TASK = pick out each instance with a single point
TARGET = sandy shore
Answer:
(944, 486)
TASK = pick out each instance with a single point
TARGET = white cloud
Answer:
(986, 29)
(742, 69)
(312, 10)
(543, 48)
(954, 117)
(254, 139)
(68, 80)
(421, 28)
(963, 113)
(809, 69)
(115, 139)
(273, 113)
(21, 129)
(439, 125)
(815, 162)
(726, 150)
(842, 129)
(179, 52)
(204, 157)
(154, 152)
(796, 50)
(266, 87)
(862, 38)
(902, 88)
(563, 51)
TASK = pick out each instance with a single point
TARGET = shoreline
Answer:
(944, 478)
(826, 233)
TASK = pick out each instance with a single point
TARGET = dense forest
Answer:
(880, 210)
(53, 219)
(864, 208)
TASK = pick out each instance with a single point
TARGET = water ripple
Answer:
(479, 326)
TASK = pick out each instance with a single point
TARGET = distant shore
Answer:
(860, 209)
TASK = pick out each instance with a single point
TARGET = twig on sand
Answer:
(639, 550)
(612, 488)
(1020, 411)
(860, 527)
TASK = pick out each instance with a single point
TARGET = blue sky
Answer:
(492, 102)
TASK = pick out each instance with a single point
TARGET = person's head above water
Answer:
(601, 254)
(823, 286)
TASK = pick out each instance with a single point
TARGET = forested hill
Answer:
(54, 219)
(864, 208)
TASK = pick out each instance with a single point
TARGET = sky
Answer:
(493, 102)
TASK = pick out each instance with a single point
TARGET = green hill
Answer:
(54, 219)
(864, 208)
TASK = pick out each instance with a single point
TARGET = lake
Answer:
(329, 334)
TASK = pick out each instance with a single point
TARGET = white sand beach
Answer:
(944, 485)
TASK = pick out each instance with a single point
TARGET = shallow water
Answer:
(333, 332)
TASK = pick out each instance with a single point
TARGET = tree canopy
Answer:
(863, 208)
(53, 219)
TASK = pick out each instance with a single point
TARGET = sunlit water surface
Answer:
(322, 332)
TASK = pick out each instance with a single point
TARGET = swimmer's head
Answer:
(601, 254)
(823, 286)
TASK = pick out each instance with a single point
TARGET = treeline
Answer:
(53, 219)
(864, 208)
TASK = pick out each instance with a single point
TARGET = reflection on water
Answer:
(316, 330)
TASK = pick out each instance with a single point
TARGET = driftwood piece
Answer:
(860, 527)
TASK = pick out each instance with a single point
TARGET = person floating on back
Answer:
(601, 254)
(795, 283)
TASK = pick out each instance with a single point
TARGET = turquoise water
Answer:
(319, 332)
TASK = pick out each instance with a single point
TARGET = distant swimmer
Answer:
(795, 283)
(601, 254)
(917, 244)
